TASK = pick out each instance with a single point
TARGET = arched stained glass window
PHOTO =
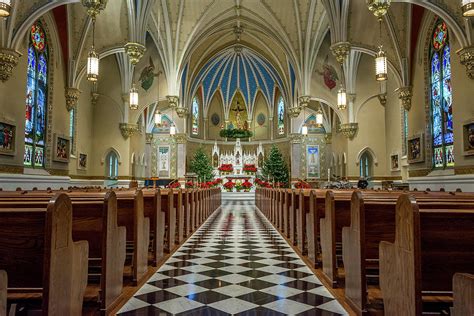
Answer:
(441, 98)
(365, 165)
(195, 116)
(111, 168)
(281, 116)
(36, 98)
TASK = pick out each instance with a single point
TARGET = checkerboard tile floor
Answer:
(235, 264)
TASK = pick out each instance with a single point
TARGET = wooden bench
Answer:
(154, 211)
(94, 220)
(40, 257)
(3, 292)
(430, 246)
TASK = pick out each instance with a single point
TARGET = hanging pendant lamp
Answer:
(381, 65)
(5, 8)
(341, 99)
(467, 8)
(134, 98)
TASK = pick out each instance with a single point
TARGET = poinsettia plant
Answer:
(302, 185)
(226, 168)
(229, 185)
(247, 185)
(190, 185)
(250, 168)
(174, 185)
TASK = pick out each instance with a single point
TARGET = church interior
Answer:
(236, 157)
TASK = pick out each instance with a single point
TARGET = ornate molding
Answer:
(405, 94)
(328, 138)
(418, 173)
(72, 95)
(349, 130)
(148, 138)
(128, 130)
(8, 60)
(181, 138)
(304, 100)
(173, 100)
(341, 51)
(296, 138)
(294, 111)
(466, 56)
(135, 52)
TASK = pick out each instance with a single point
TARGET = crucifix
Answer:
(238, 119)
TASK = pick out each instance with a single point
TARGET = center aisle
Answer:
(237, 264)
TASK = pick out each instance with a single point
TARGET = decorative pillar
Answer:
(8, 61)
(72, 95)
(181, 141)
(206, 127)
(467, 59)
(297, 156)
(272, 126)
(341, 51)
(351, 97)
(405, 94)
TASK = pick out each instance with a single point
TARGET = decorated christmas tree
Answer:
(201, 166)
(275, 168)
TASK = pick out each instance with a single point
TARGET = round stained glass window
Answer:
(261, 119)
(440, 35)
(215, 119)
(38, 37)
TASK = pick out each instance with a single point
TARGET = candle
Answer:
(329, 175)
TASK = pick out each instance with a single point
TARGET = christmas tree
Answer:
(275, 168)
(201, 166)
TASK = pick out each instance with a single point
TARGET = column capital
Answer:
(466, 56)
(341, 51)
(181, 138)
(349, 130)
(304, 100)
(128, 130)
(405, 94)
(135, 52)
(72, 96)
(148, 138)
(8, 61)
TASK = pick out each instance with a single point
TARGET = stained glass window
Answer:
(112, 165)
(72, 127)
(195, 117)
(441, 98)
(36, 98)
(281, 116)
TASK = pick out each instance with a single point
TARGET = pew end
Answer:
(463, 292)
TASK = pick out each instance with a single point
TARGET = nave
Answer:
(237, 264)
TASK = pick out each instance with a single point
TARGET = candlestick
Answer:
(329, 175)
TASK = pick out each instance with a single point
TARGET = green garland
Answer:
(235, 133)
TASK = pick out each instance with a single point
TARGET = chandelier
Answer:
(94, 7)
(378, 7)
(381, 65)
(467, 8)
(5, 8)
(133, 98)
(341, 99)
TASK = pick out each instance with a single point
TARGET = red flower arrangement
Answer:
(247, 185)
(250, 168)
(218, 181)
(204, 185)
(229, 185)
(174, 185)
(226, 168)
(302, 185)
(190, 185)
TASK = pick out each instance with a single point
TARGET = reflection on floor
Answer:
(237, 264)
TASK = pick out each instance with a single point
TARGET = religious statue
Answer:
(238, 116)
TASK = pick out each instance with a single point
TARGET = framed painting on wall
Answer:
(7, 138)
(468, 137)
(82, 161)
(62, 148)
(394, 162)
(416, 147)
(312, 162)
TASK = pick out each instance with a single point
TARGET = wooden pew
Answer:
(153, 210)
(430, 246)
(39, 255)
(94, 220)
(167, 204)
(463, 293)
(3, 292)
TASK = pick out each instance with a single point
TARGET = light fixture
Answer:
(381, 65)
(319, 117)
(341, 99)
(157, 118)
(378, 7)
(94, 7)
(5, 8)
(93, 59)
(172, 130)
(133, 98)
(467, 8)
(304, 130)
